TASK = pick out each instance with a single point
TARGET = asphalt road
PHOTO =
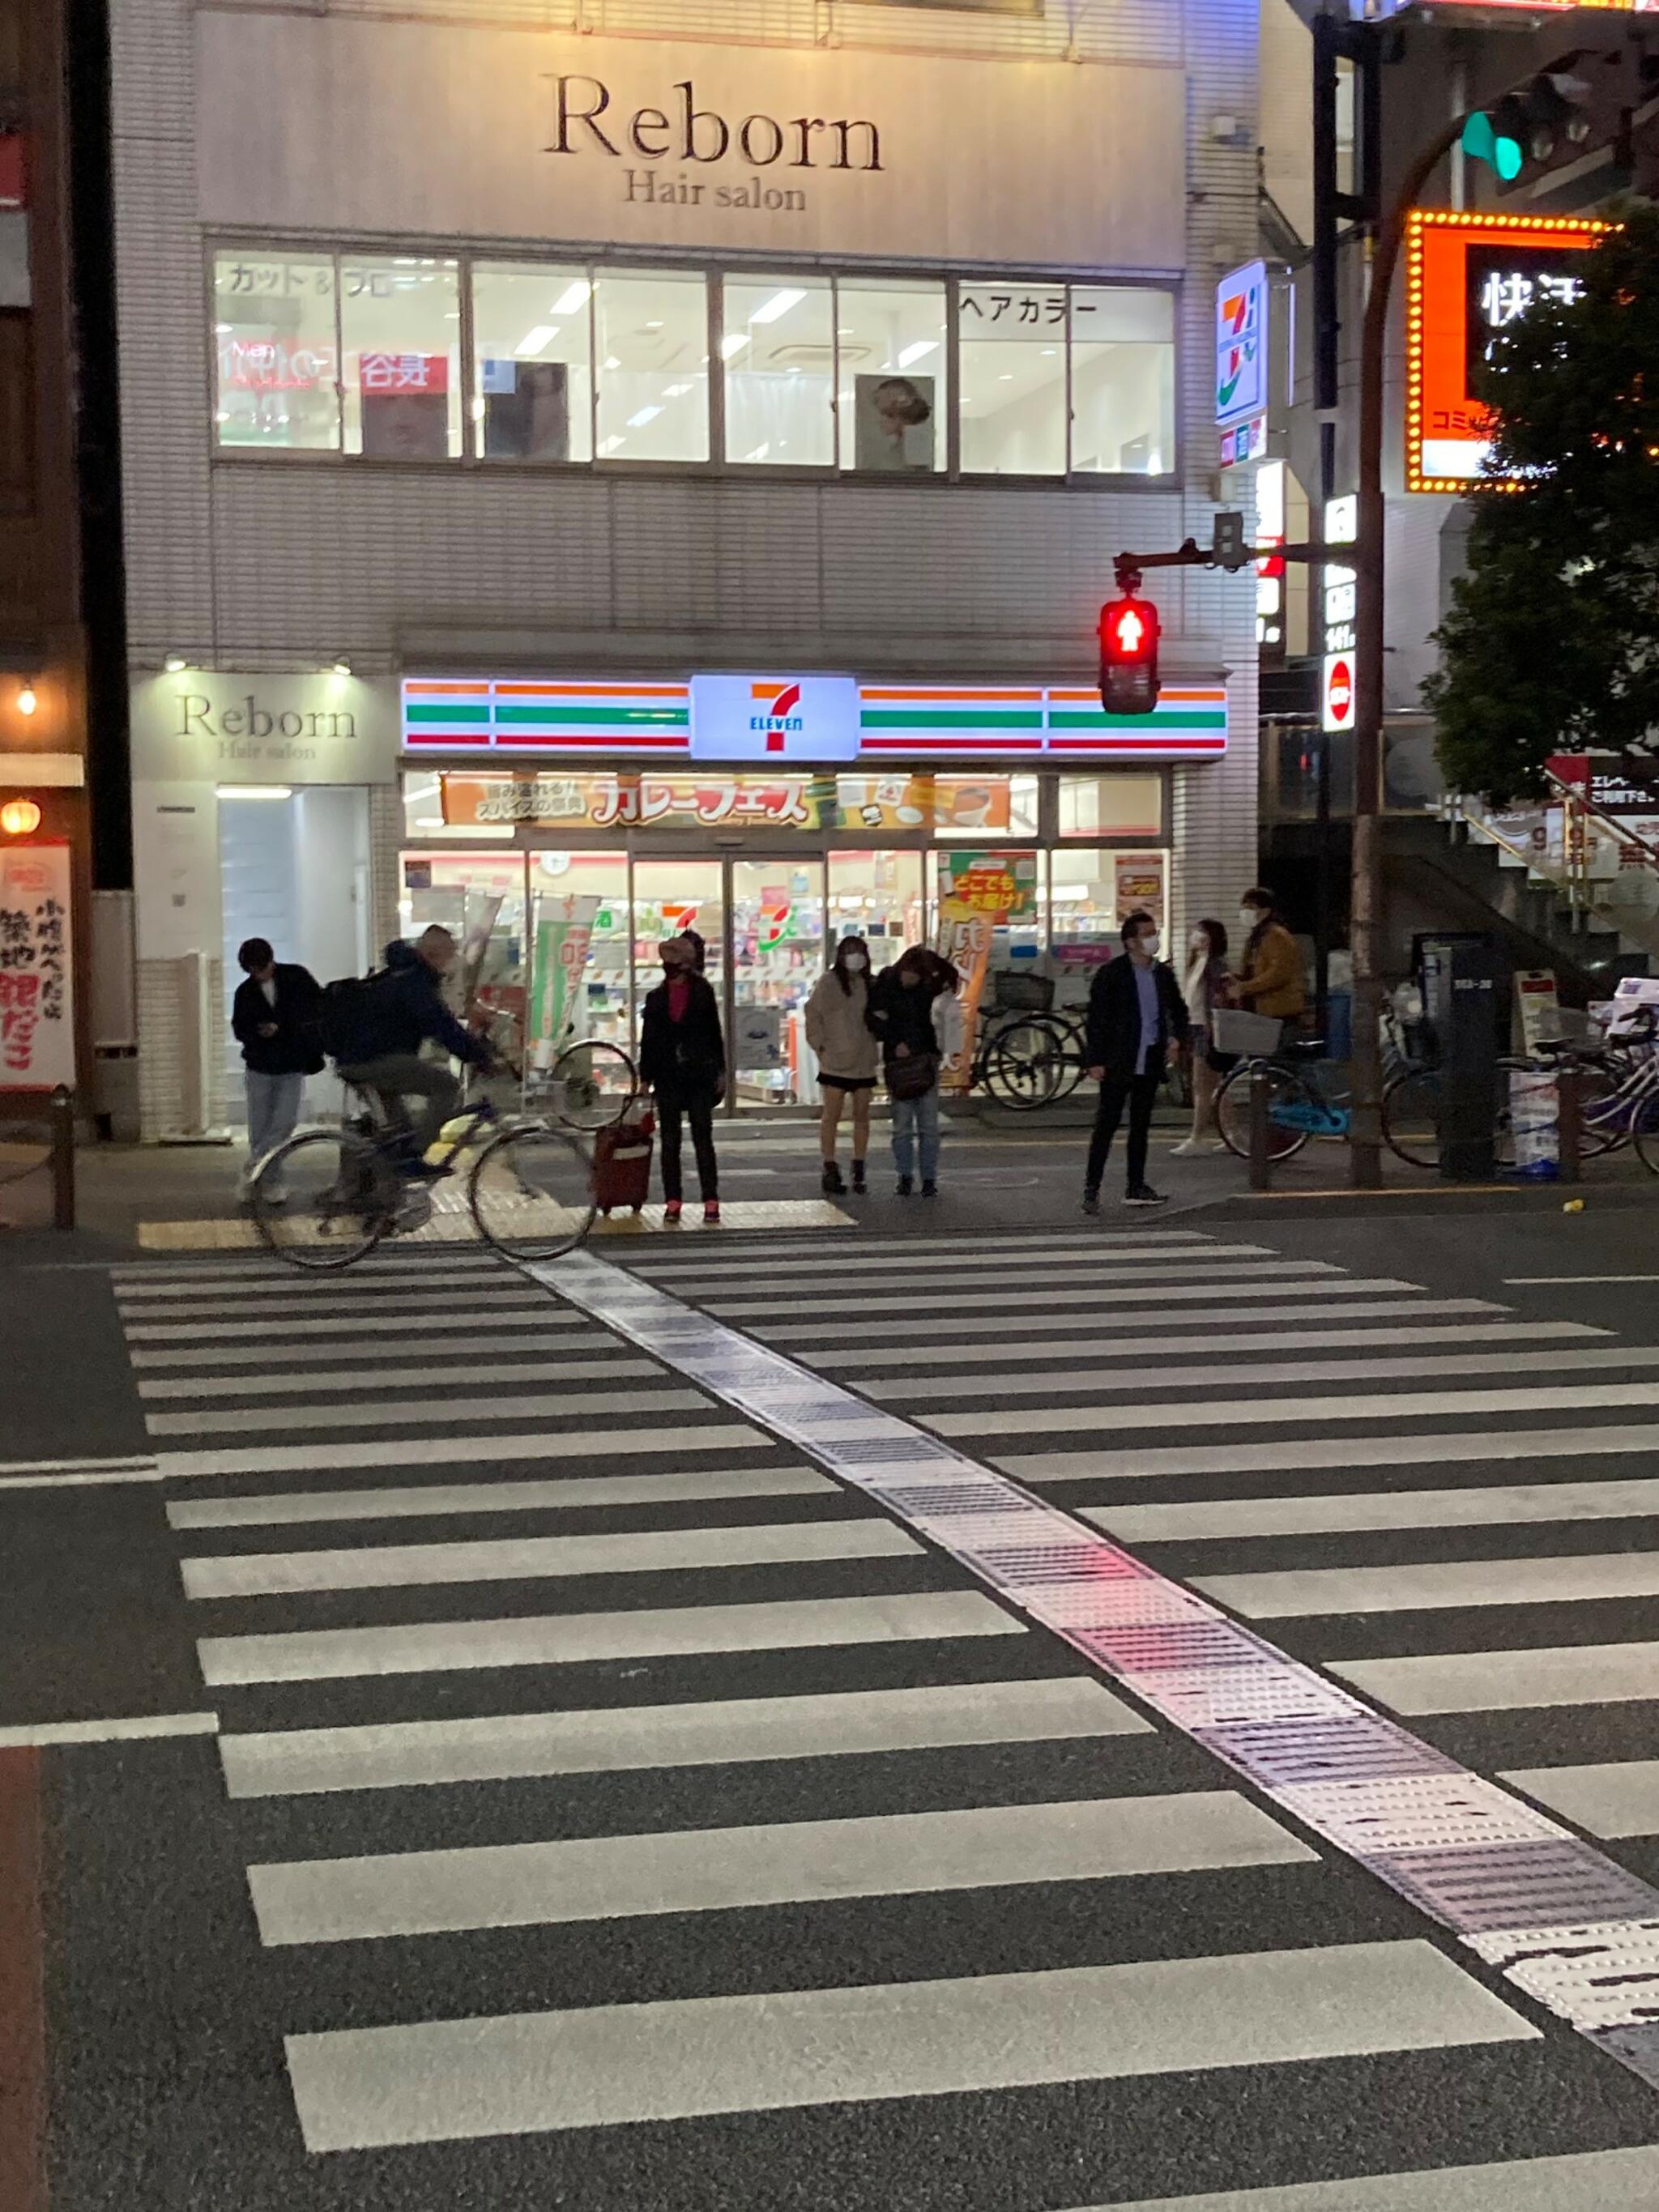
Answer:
(572, 1793)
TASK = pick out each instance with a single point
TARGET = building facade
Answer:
(581, 455)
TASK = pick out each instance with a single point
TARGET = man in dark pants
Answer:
(1135, 1007)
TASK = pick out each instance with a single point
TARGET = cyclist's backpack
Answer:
(345, 1013)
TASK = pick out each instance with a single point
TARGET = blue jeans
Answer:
(273, 1110)
(915, 1118)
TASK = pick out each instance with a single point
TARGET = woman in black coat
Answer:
(682, 1060)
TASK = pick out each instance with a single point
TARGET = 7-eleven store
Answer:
(776, 815)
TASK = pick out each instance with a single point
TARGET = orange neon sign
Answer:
(1467, 277)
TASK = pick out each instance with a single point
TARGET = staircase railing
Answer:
(1569, 872)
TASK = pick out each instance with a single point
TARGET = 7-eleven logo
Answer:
(775, 711)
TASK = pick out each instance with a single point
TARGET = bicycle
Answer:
(327, 1197)
(1299, 1109)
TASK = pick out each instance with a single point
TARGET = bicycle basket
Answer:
(1232, 1029)
(1020, 993)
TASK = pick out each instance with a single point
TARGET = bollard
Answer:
(63, 1158)
(1260, 1126)
(1569, 1123)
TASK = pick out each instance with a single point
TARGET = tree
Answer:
(1552, 644)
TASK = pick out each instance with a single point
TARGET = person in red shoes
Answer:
(682, 1061)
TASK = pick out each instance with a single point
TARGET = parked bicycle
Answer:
(1304, 1101)
(329, 1196)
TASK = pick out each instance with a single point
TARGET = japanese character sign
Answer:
(37, 1027)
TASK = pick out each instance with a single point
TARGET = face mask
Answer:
(1248, 917)
(1151, 945)
(855, 963)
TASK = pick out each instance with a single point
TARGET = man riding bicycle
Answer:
(382, 1028)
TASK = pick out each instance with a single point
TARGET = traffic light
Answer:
(1129, 656)
(1533, 127)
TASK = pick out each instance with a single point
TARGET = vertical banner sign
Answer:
(1341, 588)
(36, 1025)
(983, 893)
(1241, 345)
(564, 929)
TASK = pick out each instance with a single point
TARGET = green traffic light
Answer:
(1481, 142)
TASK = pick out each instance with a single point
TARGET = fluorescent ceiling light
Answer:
(779, 304)
(255, 791)
(573, 296)
(675, 391)
(533, 341)
(916, 352)
(733, 344)
(646, 415)
(609, 445)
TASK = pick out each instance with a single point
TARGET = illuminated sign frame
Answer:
(1242, 313)
(1437, 325)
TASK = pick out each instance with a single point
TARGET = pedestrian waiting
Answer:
(839, 1031)
(914, 1017)
(1270, 978)
(682, 1061)
(1204, 988)
(275, 1017)
(1135, 1012)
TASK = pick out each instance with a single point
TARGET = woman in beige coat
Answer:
(847, 1052)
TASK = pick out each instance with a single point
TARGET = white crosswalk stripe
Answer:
(672, 2061)
(715, 1869)
(764, 1795)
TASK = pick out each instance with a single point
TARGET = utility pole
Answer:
(1365, 1145)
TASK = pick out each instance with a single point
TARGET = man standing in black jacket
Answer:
(273, 1018)
(1135, 1007)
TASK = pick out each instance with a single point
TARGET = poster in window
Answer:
(1139, 886)
(893, 418)
(406, 401)
(527, 410)
(36, 1025)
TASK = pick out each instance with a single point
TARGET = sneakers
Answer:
(1091, 1201)
(833, 1185)
(1142, 1193)
(930, 1189)
(672, 1210)
(903, 1187)
(860, 1187)
(711, 1209)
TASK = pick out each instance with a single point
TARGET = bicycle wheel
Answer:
(1411, 1108)
(1292, 1110)
(1604, 1112)
(1027, 1065)
(326, 1199)
(532, 1192)
(593, 1084)
(1645, 1131)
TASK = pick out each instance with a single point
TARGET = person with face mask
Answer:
(905, 1001)
(682, 1061)
(1204, 988)
(1270, 978)
(839, 1033)
(1135, 1009)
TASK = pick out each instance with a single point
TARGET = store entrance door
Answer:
(762, 923)
(774, 914)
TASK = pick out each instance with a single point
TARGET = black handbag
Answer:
(913, 1076)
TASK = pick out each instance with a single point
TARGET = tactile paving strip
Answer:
(1548, 1910)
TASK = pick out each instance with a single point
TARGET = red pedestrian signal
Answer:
(1129, 656)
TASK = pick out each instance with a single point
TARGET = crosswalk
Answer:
(617, 1789)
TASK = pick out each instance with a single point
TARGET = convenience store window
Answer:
(1092, 893)
(1111, 806)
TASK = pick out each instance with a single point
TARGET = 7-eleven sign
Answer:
(812, 719)
(777, 712)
